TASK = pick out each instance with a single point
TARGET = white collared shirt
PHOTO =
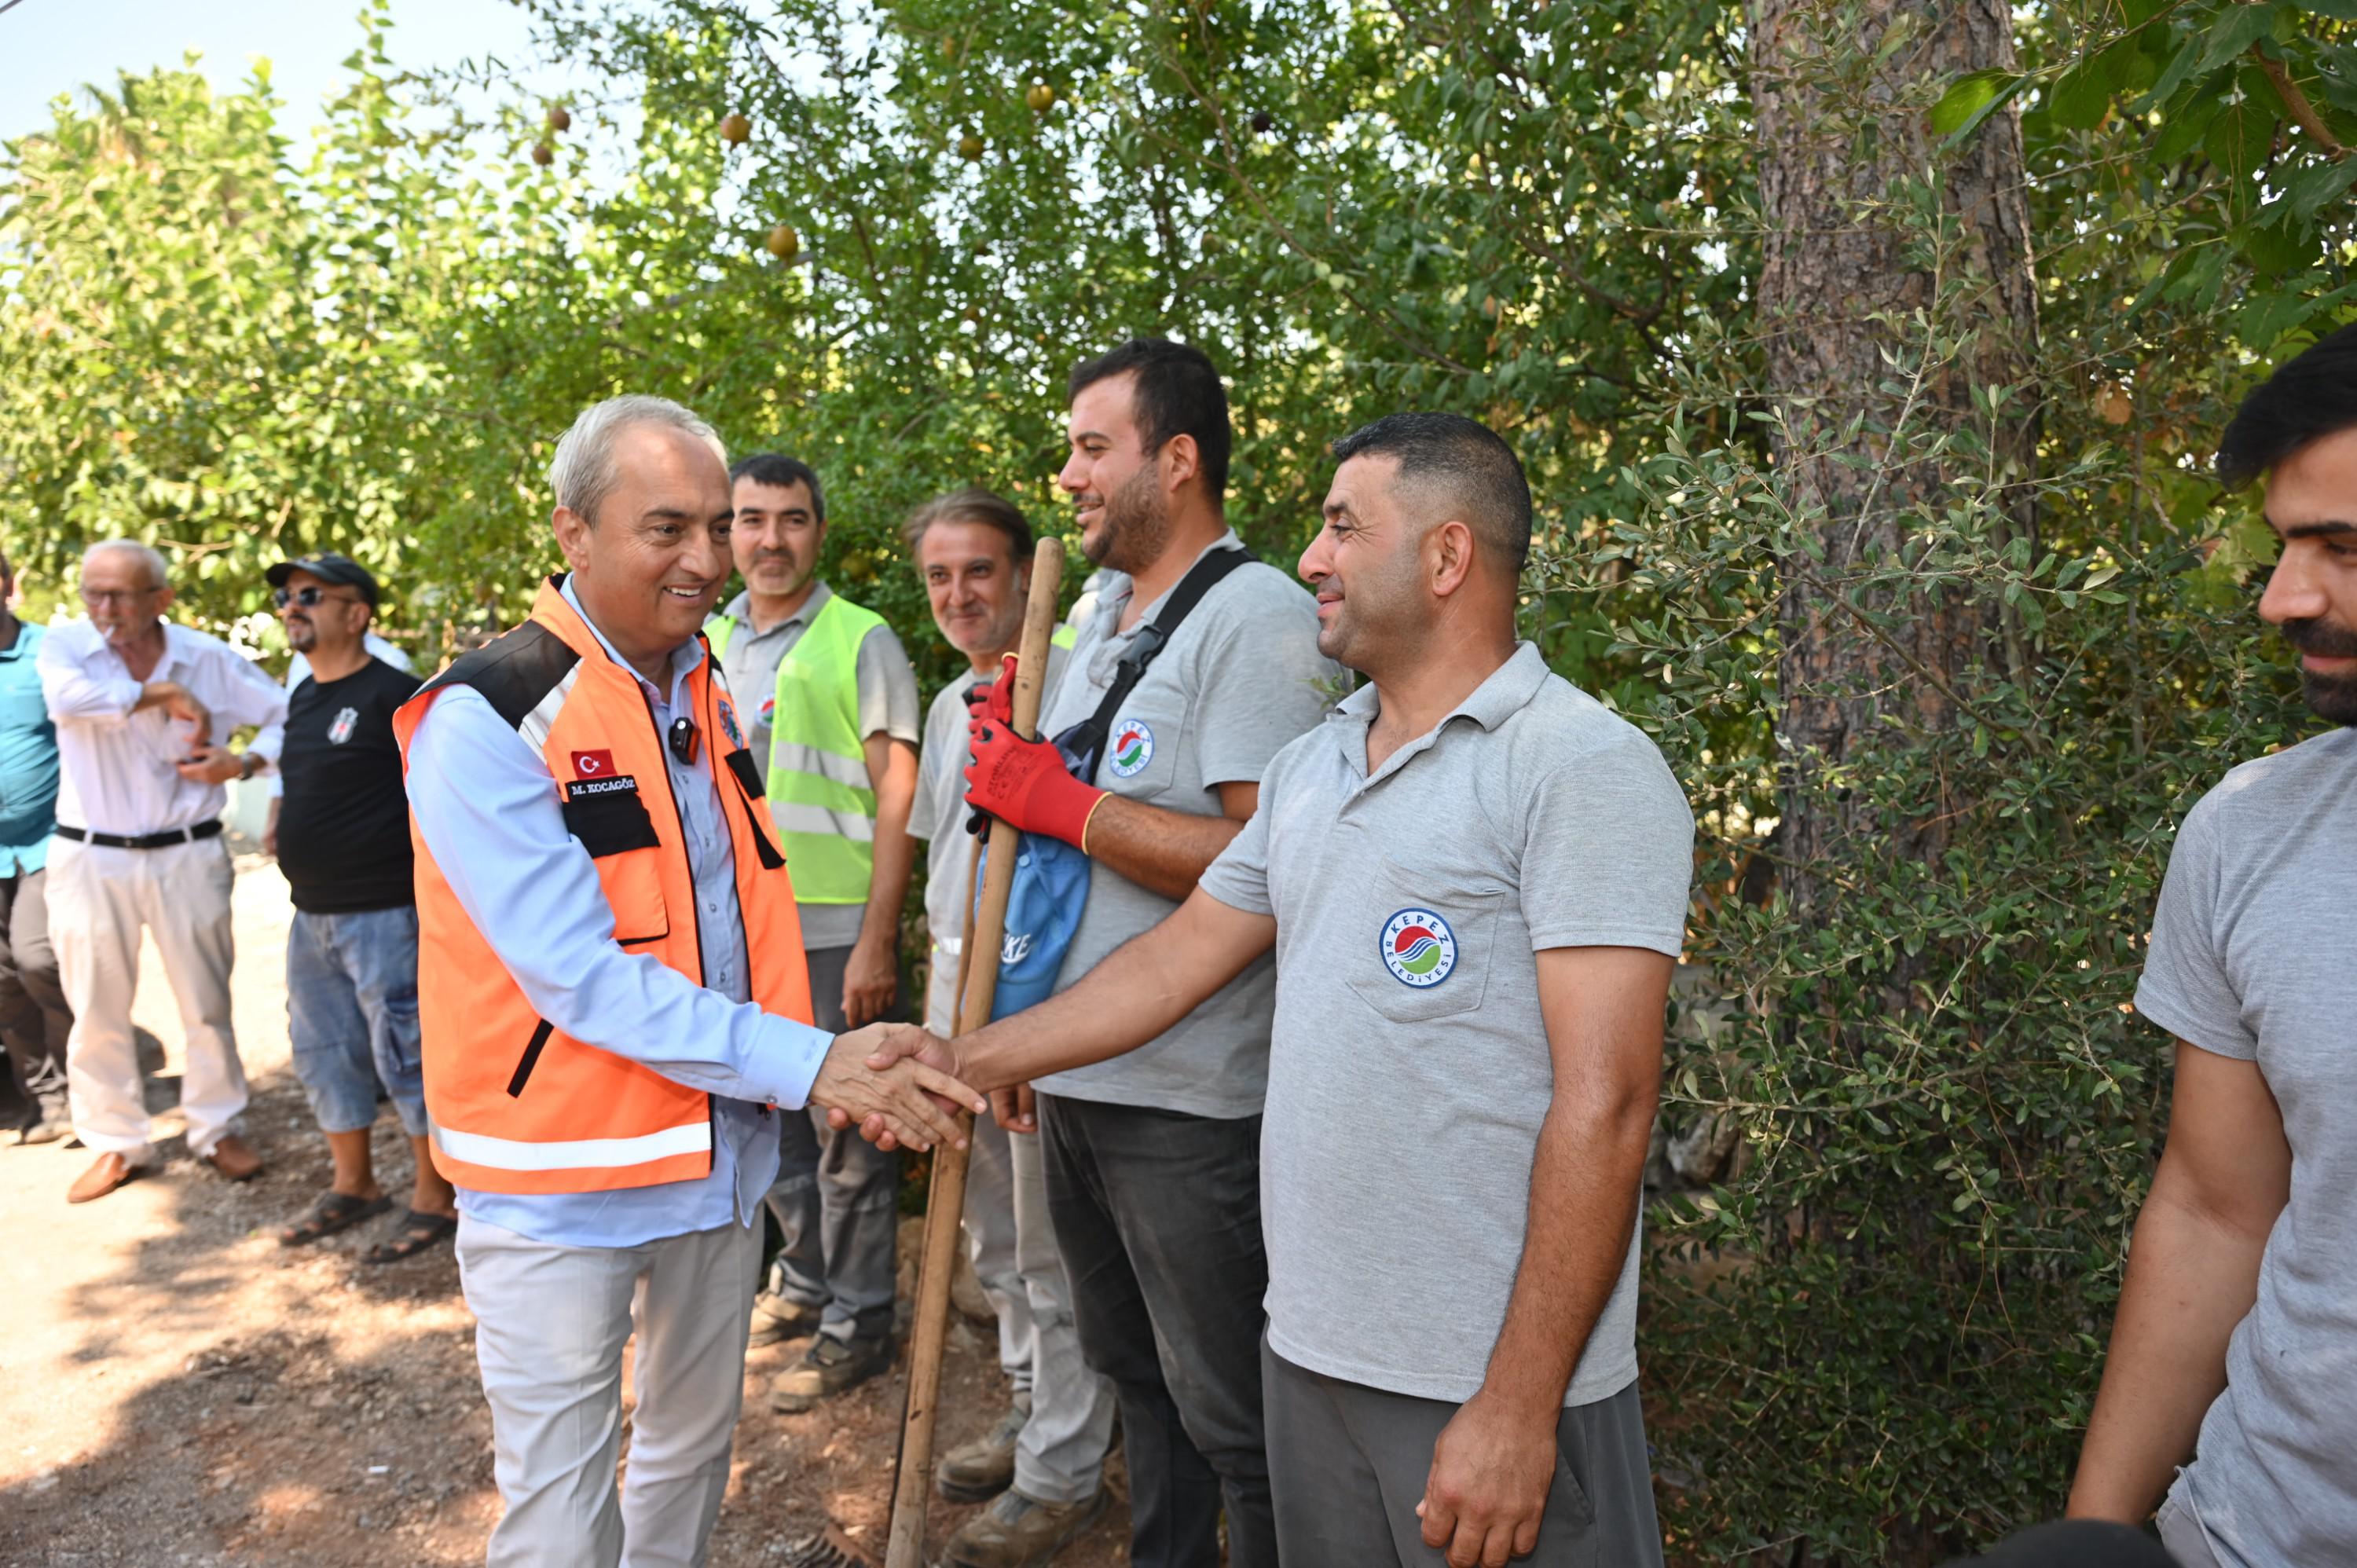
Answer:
(119, 769)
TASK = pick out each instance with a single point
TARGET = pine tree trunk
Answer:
(1840, 89)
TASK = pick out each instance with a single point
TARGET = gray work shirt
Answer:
(1411, 1072)
(1242, 678)
(887, 705)
(939, 817)
(2249, 959)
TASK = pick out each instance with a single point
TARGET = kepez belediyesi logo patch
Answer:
(1133, 748)
(1419, 948)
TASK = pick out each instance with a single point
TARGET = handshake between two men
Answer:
(894, 1089)
(1135, 993)
(908, 1092)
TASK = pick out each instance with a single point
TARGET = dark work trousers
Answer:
(34, 1017)
(838, 1197)
(1351, 1463)
(1158, 1216)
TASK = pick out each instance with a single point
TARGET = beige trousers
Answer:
(551, 1322)
(100, 901)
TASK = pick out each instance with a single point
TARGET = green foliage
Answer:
(1880, 1333)
(1883, 1334)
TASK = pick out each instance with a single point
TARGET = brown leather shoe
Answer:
(235, 1158)
(106, 1173)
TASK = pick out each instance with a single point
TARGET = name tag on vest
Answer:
(609, 815)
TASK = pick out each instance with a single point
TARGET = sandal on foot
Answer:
(334, 1211)
(417, 1232)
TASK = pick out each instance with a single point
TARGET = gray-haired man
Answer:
(143, 710)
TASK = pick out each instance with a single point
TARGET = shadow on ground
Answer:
(248, 1403)
(324, 1413)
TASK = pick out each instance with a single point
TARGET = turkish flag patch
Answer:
(592, 764)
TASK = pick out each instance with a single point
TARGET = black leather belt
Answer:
(143, 841)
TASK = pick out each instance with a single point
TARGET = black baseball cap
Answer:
(328, 567)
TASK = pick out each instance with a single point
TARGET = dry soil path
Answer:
(175, 1387)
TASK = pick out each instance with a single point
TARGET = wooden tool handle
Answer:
(945, 1196)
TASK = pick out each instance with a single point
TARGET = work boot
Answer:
(778, 1318)
(827, 1368)
(1017, 1532)
(978, 1471)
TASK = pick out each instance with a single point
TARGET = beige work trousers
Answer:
(100, 901)
(551, 1322)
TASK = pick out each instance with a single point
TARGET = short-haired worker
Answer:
(616, 1009)
(1475, 879)
(1166, 1141)
(1041, 1464)
(832, 718)
(2234, 1352)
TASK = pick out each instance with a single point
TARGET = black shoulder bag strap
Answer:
(1083, 744)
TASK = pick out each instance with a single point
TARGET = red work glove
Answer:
(1023, 781)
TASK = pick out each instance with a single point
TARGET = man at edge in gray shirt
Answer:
(1475, 879)
(2234, 1351)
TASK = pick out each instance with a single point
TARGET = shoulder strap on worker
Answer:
(1083, 744)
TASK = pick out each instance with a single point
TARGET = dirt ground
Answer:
(178, 1389)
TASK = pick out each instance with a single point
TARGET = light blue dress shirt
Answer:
(486, 806)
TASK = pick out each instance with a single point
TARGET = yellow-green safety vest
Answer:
(820, 794)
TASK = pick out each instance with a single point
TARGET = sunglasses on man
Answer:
(309, 596)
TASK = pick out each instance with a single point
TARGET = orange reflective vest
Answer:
(517, 1105)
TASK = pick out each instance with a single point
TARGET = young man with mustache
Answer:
(1474, 879)
(2235, 1350)
(831, 710)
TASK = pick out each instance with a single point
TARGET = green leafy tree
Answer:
(1865, 359)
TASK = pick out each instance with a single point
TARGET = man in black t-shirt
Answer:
(342, 836)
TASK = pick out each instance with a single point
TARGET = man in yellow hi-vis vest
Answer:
(830, 705)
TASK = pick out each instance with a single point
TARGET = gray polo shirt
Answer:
(2249, 959)
(1410, 1072)
(887, 705)
(1242, 678)
(939, 817)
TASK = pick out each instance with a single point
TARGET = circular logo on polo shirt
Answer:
(1133, 748)
(1419, 949)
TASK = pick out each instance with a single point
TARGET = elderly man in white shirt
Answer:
(143, 710)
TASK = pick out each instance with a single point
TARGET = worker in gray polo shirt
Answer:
(2226, 1395)
(1475, 877)
(1153, 1161)
(830, 705)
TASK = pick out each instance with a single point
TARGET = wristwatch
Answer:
(246, 769)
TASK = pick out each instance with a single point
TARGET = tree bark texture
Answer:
(1840, 90)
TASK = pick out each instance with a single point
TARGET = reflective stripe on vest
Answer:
(820, 794)
(573, 1154)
